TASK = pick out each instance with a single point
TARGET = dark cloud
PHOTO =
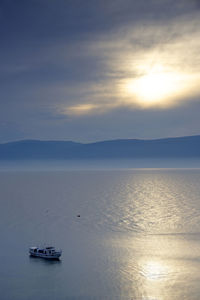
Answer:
(35, 20)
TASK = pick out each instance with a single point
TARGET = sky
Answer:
(90, 70)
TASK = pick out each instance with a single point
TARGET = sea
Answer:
(125, 233)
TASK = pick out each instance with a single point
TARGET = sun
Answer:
(152, 88)
(155, 87)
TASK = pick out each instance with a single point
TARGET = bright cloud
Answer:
(148, 66)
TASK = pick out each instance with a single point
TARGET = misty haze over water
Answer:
(97, 164)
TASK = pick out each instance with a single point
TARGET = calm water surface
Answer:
(138, 235)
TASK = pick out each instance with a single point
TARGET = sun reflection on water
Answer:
(154, 270)
(157, 255)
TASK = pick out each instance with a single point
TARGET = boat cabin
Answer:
(48, 252)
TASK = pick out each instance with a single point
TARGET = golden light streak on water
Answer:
(154, 270)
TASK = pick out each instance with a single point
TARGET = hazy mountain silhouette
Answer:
(180, 147)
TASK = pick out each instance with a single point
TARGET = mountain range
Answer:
(178, 147)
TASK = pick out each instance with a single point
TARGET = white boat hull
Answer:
(44, 253)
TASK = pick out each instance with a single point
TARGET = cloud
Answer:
(71, 63)
(131, 55)
(92, 70)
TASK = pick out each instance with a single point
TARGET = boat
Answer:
(46, 252)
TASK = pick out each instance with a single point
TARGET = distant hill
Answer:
(180, 147)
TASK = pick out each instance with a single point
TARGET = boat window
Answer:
(35, 250)
(40, 251)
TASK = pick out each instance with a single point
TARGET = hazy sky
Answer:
(88, 70)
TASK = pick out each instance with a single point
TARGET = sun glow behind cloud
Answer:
(152, 88)
(160, 87)
(156, 67)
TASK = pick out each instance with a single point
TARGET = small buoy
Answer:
(78, 216)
